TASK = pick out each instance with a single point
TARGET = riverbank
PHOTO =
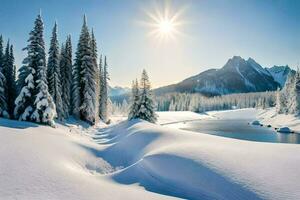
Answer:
(270, 117)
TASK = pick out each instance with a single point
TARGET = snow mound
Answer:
(284, 130)
(40, 162)
(256, 123)
(191, 166)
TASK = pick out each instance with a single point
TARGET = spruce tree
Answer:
(76, 73)
(146, 104)
(26, 86)
(135, 99)
(84, 78)
(3, 100)
(297, 93)
(104, 92)
(1, 52)
(97, 78)
(8, 72)
(278, 101)
(100, 86)
(66, 75)
(54, 74)
(12, 88)
(294, 95)
(34, 102)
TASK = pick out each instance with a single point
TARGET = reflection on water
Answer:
(240, 129)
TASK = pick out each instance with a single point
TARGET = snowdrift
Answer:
(40, 162)
(139, 160)
(198, 166)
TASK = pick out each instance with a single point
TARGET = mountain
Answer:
(280, 73)
(236, 76)
(117, 91)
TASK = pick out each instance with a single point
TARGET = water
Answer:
(240, 129)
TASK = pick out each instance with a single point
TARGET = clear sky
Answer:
(211, 31)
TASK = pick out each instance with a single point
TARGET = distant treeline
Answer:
(201, 103)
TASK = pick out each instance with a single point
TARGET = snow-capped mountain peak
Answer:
(236, 76)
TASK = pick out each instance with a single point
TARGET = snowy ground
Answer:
(139, 160)
(270, 116)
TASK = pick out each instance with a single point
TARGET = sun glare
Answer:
(164, 23)
(166, 26)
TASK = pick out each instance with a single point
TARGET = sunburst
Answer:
(164, 23)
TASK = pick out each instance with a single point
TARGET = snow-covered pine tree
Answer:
(54, 74)
(8, 72)
(66, 75)
(13, 84)
(100, 86)
(26, 86)
(294, 95)
(44, 108)
(89, 84)
(77, 84)
(146, 104)
(3, 101)
(297, 93)
(84, 78)
(97, 78)
(104, 92)
(286, 101)
(34, 102)
(135, 99)
(76, 77)
(278, 100)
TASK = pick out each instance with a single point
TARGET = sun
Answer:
(166, 27)
(164, 23)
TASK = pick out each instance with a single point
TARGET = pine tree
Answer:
(104, 92)
(294, 95)
(297, 93)
(66, 75)
(100, 86)
(84, 78)
(34, 102)
(146, 104)
(26, 86)
(3, 100)
(54, 74)
(287, 91)
(8, 72)
(97, 78)
(278, 101)
(135, 99)
(12, 89)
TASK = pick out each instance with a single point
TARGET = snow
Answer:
(172, 117)
(236, 63)
(140, 160)
(256, 123)
(258, 67)
(284, 130)
(40, 162)
(270, 116)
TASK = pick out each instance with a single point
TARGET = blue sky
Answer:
(214, 30)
